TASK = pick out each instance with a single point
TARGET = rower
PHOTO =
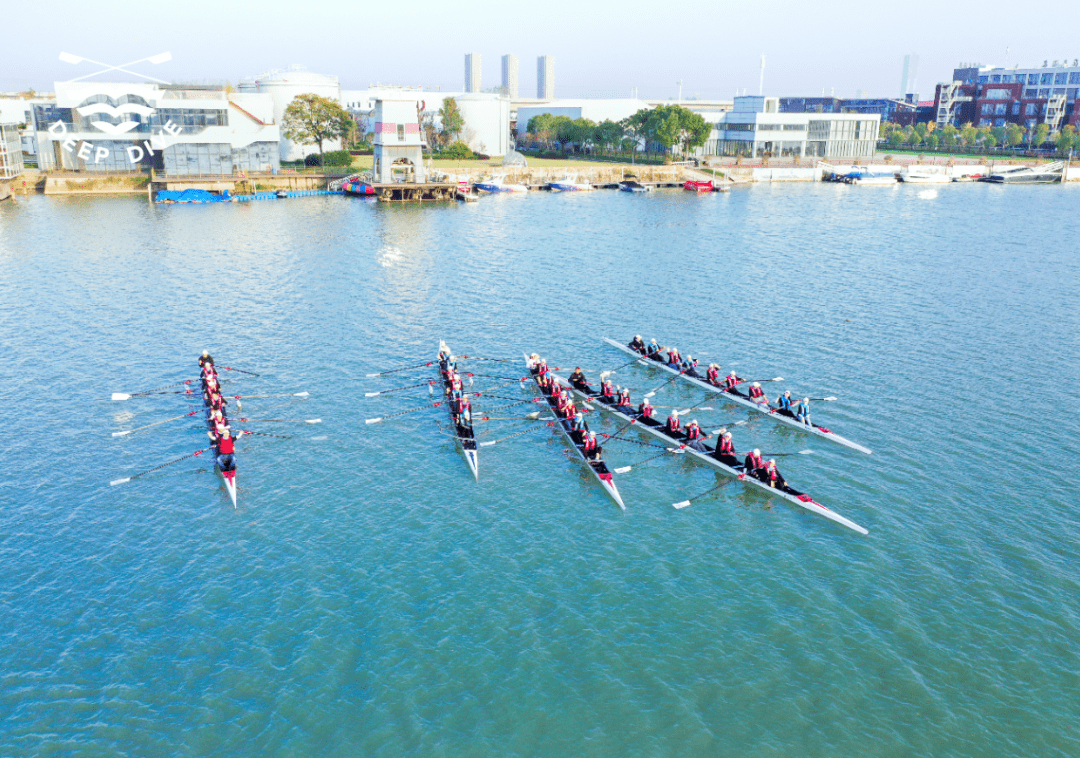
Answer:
(623, 402)
(757, 394)
(226, 451)
(725, 449)
(589, 447)
(461, 406)
(783, 404)
(217, 430)
(695, 438)
(801, 411)
(204, 359)
(562, 404)
(753, 462)
(638, 344)
(653, 351)
(645, 410)
(578, 380)
(732, 381)
(578, 426)
(672, 425)
(607, 392)
(689, 367)
(451, 364)
(542, 367)
(674, 360)
(771, 476)
(713, 374)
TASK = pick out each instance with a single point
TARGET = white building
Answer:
(399, 145)
(175, 129)
(756, 128)
(283, 87)
(510, 76)
(472, 72)
(11, 158)
(545, 77)
(486, 115)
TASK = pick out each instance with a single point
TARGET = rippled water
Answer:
(368, 598)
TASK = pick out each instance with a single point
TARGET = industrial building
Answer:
(756, 127)
(282, 86)
(996, 96)
(176, 129)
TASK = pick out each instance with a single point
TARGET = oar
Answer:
(404, 368)
(495, 376)
(736, 423)
(628, 469)
(129, 395)
(251, 397)
(535, 416)
(669, 381)
(155, 468)
(380, 419)
(684, 503)
(639, 358)
(139, 429)
(825, 399)
(777, 455)
(264, 434)
(478, 358)
(751, 381)
(240, 370)
(489, 443)
(399, 389)
(283, 420)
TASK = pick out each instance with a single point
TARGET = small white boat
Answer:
(922, 176)
(569, 183)
(868, 178)
(498, 184)
(465, 192)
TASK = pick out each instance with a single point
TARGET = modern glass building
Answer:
(176, 130)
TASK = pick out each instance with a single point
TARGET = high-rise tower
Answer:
(510, 76)
(472, 72)
(545, 77)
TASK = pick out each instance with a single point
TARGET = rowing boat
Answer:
(598, 468)
(229, 477)
(464, 434)
(654, 427)
(737, 397)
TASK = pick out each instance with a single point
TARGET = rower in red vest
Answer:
(674, 360)
(732, 381)
(578, 427)
(753, 462)
(645, 410)
(589, 447)
(771, 476)
(562, 403)
(757, 394)
(695, 438)
(725, 449)
(542, 367)
(606, 390)
(672, 425)
(713, 374)
(623, 402)
(226, 459)
(462, 405)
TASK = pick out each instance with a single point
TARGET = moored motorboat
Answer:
(654, 427)
(629, 185)
(698, 186)
(1046, 174)
(499, 184)
(864, 176)
(736, 396)
(569, 183)
(596, 467)
(924, 176)
(463, 431)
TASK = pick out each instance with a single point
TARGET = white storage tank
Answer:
(283, 87)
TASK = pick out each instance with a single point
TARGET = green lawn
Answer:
(364, 162)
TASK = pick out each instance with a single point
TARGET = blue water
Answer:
(368, 598)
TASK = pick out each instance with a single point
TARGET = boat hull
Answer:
(747, 402)
(464, 435)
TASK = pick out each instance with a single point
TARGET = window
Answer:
(1046, 78)
(1044, 93)
(401, 132)
(995, 79)
(987, 108)
(1062, 77)
(1030, 109)
(770, 127)
(999, 109)
(1033, 79)
(998, 94)
(984, 79)
(1016, 109)
(1074, 77)
(999, 122)
(794, 127)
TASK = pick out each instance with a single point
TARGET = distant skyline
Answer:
(843, 47)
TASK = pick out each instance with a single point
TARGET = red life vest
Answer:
(693, 432)
(755, 461)
(731, 381)
(713, 375)
(606, 390)
(646, 410)
(672, 424)
(727, 447)
(462, 405)
(589, 445)
(755, 392)
(225, 446)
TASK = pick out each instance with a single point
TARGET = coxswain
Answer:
(801, 411)
(589, 446)
(205, 358)
(672, 425)
(783, 404)
(725, 449)
(732, 381)
(226, 451)
(444, 353)
(638, 344)
(771, 476)
(713, 374)
(645, 410)
(578, 380)
(623, 402)
(695, 438)
(606, 390)
(757, 394)
(674, 360)
(753, 462)
(653, 351)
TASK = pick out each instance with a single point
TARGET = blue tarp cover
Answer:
(192, 196)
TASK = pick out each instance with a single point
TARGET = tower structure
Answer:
(510, 76)
(472, 72)
(545, 77)
(398, 144)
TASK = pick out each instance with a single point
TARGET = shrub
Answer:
(457, 150)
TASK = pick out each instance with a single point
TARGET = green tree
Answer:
(452, 121)
(1014, 135)
(583, 132)
(1042, 132)
(950, 135)
(933, 140)
(990, 141)
(999, 134)
(1066, 140)
(313, 120)
(895, 138)
(564, 129)
(608, 134)
(968, 134)
(912, 136)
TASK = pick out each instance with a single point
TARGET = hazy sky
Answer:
(599, 47)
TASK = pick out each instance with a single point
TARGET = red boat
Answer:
(693, 186)
(355, 186)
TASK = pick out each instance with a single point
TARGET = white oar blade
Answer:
(372, 375)
(487, 444)
(121, 434)
(805, 452)
(373, 420)
(121, 396)
(160, 58)
(829, 399)
(624, 470)
(681, 504)
(300, 394)
(533, 416)
(69, 58)
(777, 379)
(676, 450)
(119, 481)
(313, 421)
(372, 394)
